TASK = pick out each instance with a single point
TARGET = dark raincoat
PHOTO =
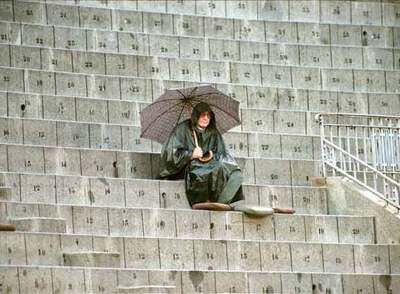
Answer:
(210, 181)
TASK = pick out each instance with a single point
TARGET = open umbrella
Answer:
(160, 118)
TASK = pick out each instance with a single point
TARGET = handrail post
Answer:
(320, 120)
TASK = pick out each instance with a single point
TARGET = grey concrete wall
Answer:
(74, 76)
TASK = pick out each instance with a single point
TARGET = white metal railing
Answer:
(364, 148)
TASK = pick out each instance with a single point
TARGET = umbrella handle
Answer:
(210, 154)
(195, 138)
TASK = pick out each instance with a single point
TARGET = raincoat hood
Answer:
(197, 110)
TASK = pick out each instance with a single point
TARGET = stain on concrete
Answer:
(196, 278)
(386, 281)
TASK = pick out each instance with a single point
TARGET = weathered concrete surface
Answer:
(40, 224)
(92, 259)
(347, 197)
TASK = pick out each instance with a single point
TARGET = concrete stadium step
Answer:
(40, 224)
(180, 47)
(116, 114)
(242, 73)
(185, 223)
(76, 75)
(238, 73)
(126, 113)
(254, 121)
(23, 279)
(120, 164)
(56, 133)
(197, 254)
(70, 109)
(254, 141)
(262, 132)
(147, 18)
(92, 259)
(219, 48)
(130, 193)
(146, 90)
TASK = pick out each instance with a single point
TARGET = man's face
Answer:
(204, 119)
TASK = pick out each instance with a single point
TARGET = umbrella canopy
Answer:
(160, 118)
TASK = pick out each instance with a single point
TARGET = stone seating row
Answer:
(40, 40)
(356, 12)
(187, 223)
(302, 11)
(201, 72)
(249, 96)
(80, 135)
(257, 140)
(110, 118)
(175, 22)
(196, 254)
(145, 193)
(145, 165)
(205, 70)
(139, 193)
(22, 279)
(126, 113)
(142, 90)
(51, 133)
(120, 164)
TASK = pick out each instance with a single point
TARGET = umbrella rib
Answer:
(191, 92)
(160, 101)
(179, 91)
(164, 100)
(175, 105)
(145, 130)
(179, 117)
(204, 94)
(183, 107)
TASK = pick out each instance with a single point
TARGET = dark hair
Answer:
(197, 110)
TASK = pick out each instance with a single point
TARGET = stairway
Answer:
(82, 187)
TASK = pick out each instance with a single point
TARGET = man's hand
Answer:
(197, 153)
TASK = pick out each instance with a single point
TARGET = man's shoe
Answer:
(251, 210)
(287, 210)
(211, 206)
(7, 227)
(254, 210)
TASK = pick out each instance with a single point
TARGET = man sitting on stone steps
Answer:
(196, 152)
